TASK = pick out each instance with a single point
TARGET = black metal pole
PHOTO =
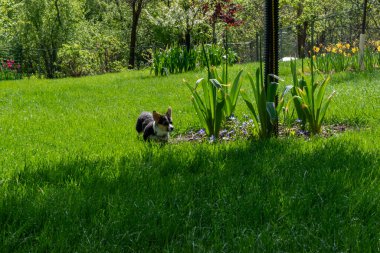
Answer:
(257, 47)
(271, 51)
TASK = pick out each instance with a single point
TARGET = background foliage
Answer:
(37, 33)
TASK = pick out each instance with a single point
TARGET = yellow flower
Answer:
(339, 45)
(316, 49)
(378, 49)
(328, 49)
(348, 46)
(340, 51)
(333, 50)
(354, 50)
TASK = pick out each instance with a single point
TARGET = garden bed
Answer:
(242, 130)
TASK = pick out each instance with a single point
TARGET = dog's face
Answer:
(164, 121)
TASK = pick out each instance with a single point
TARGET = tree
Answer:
(298, 11)
(95, 10)
(10, 12)
(136, 7)
(177, 20)
(221, 10)
(192, 10)
(46, 26)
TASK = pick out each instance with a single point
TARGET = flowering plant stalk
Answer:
(309, 100)
(345, 56)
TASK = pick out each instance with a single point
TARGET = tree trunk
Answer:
(301, 39)
(187, 34)
(214, 39)
(132, 46)
(188, 40)
(49, 55)
(48, 65)
(364, 16)
(301, 32)
(136, 11)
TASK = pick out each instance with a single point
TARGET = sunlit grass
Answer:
(75, 177)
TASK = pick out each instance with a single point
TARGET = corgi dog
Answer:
(155, 126)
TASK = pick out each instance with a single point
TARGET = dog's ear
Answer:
(156, 116)
(169, 112)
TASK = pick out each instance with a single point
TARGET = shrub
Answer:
(10, 70)
(75, 61)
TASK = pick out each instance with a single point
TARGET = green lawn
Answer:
(74, 177)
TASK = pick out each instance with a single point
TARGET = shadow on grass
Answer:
(278, 195)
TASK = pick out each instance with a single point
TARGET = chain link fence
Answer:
(296, 39)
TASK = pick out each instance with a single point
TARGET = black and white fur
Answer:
(155, 126)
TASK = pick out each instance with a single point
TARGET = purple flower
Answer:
(202, 132)
(223, 132)
(232, 117)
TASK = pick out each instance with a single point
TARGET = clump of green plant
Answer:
(231, 90)
(178, 59)
(369, 59)
(334, 57)
(158, 61)
(309, 100)
(219, 98)
(209, 109)
(216, 55)
(345, 56)
(264, 109)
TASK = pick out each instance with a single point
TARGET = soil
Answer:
(235, 129)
